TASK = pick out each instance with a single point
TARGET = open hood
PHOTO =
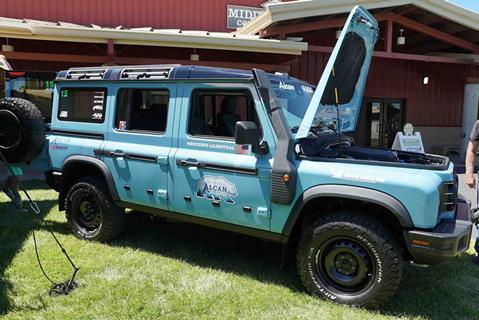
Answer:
(340, 91)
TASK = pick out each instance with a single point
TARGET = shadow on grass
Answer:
(15, 228)
(208, 248)
(438, 292)
(449, 290)
(37, 185)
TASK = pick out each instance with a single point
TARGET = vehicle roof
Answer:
(157, 72)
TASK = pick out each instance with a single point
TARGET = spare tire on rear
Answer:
(22, 130)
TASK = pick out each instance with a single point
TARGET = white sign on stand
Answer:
(409, 140)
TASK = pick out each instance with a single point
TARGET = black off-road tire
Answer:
(369, 240)
(23, 139)
(107, 221)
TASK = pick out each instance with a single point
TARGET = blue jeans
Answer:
(11, 190)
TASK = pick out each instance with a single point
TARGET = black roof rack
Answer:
(85, 74)
(147, 73)
(155, 72)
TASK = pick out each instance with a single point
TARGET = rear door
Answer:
(139, 142)
(215, 178)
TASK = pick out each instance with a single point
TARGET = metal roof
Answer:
(148, 36)
(161, 14)
(157, 72)
(309, 8)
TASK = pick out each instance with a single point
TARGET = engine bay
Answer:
(328, 144)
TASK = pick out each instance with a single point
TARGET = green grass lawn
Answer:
(159, 269)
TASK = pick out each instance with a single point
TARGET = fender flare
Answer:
(98, 164)
(349, 192)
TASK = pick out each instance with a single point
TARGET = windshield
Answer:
(294, 97)
(336, 102)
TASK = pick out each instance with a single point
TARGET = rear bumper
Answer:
(449, 239)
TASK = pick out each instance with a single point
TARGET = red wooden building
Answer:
(424, 70)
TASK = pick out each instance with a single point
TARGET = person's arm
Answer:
(470, 157)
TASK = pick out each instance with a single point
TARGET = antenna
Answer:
(336, 95)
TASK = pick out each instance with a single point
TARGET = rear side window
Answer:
(82, 105)
(142, 110)
(215, 112)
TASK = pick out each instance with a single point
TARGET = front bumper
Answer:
(449, 239)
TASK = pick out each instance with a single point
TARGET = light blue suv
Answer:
(261, 154)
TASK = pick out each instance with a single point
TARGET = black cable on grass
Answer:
(58, 288)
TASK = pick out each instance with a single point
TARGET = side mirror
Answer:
(247, 133)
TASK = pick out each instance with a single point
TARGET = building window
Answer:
(82, 105)
(215, 112)
(142, 110)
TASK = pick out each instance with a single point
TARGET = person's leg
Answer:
(10, 188)
(475, 259)
(17, 200)
(476, 246)
(7, 187)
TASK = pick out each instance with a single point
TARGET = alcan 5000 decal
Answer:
(217, 188)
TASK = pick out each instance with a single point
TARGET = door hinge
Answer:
(263, 212)
(162, 160)
(163, 194)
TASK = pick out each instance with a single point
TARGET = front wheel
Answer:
(91, 212)
(350, 258)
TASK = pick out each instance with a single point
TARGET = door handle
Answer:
(189, 163)
(118, 154)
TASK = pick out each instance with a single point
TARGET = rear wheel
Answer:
(349, 257)
(92, 213)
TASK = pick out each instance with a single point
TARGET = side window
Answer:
(142, 110)
(82, 105)
(215, 112)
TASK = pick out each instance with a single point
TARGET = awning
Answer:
(277, 12)
(64, 31)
